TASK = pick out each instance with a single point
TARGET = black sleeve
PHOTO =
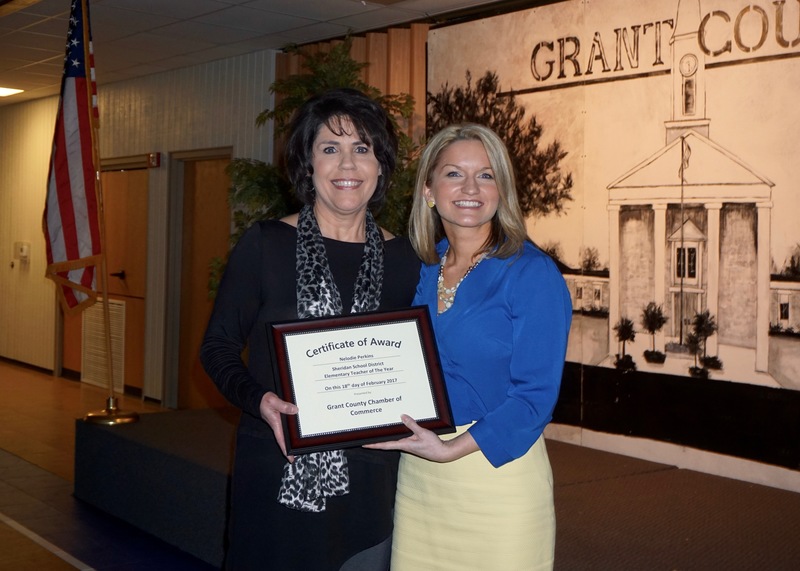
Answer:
(236, 310)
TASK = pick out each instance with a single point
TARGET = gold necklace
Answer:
(447, 295)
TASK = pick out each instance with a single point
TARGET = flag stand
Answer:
(110, 415)
(74, 189)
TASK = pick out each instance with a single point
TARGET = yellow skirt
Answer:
(469, 515)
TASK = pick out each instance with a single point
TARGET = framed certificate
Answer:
(352, 376)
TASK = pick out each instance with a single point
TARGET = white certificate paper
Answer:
(353, 376)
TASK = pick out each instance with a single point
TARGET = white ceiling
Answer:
(132, 38)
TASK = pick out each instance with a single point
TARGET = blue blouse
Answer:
(502, 347)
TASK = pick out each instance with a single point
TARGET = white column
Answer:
(659, 259)
(764, 210)
(613, 275)
(712, 281)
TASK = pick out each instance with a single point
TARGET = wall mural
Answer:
(671, 127)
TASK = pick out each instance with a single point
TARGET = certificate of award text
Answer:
(352, 377)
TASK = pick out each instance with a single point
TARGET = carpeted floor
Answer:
(619, 513)
(614, 512)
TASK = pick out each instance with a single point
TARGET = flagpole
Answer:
(681, 250)
(111, 414)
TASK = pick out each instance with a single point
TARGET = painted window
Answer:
(688, 96)
(686, 266)
(783, 307)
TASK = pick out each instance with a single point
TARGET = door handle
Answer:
(120, 274)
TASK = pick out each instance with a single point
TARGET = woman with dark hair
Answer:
(328, 510)
(483, 497)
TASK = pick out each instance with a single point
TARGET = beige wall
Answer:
(209, 106)
(27, 300)
(183, 112)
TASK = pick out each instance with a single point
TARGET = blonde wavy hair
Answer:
(425, 229)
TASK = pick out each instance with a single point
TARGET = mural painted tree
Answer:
(694, 344)
(792, 267)
(704, 326)
(653, 319)
(543, 188)
(590, 259)
(625, 333)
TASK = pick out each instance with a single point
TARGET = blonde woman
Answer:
(482, 498)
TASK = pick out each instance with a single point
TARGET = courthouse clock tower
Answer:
(688, 74)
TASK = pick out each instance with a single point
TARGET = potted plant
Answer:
(653, 320)
(704, 326)
(693, 344)
(625, 332)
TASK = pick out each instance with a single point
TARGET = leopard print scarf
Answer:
(312, 478)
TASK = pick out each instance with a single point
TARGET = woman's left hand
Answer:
(427, 444)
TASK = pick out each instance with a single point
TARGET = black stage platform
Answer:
(167, 474)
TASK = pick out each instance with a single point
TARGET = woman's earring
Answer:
(431, 203)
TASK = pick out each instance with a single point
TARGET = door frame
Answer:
(172, 317)
(106, 164)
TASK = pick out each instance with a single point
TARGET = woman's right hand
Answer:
(271, 408)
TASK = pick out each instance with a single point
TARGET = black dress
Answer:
(259, 287)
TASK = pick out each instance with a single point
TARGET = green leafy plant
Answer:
(329, 70)
(258, 191)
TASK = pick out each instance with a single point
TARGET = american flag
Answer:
(686, 152)
(72, 212)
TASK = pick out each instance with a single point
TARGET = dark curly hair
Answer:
(330, 108)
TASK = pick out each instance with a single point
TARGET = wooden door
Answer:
(206, 235)
(125, 209)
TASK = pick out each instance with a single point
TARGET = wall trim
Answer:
(752, 422)
(124, 163)
(172, 317)
(680, 456)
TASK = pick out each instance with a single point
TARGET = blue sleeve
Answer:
(540, 313)
(419, 297)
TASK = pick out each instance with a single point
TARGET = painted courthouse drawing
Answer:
(683, 143)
